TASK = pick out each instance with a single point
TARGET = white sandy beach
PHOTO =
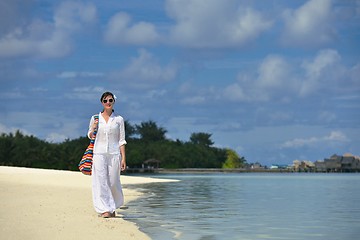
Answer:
(50, 204)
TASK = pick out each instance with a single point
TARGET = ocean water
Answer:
(249, 206)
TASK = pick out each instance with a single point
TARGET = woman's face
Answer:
(108, 102)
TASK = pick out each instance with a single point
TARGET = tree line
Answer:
(144, 141)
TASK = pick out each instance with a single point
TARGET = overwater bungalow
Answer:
(336, 163)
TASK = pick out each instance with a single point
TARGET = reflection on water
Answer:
(250, 206)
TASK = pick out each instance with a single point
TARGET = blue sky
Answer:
(274, 80)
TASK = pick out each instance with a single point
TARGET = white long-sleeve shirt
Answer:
(110, 136)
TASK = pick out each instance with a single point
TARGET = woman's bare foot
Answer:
(106, 215)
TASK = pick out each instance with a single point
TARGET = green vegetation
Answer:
(145, 141)
(233, 160)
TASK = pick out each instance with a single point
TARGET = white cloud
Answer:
(321, 62)
(56, 137)
(120, 31)
(7, 130)
(89, 93)
(333, 137)
(310, 24)
(66, 130)
(14, 94)
(156, 94)
(145, 71)
(273, 79)
(14, 13)
(80, 74)
(279, 78)
(59, 126)
(214, 23)
(273, 72)
(336, 136)
(72, 16)
(354, 76)
(320, 73)
(235, 92)
(193, 100)
(48, 39)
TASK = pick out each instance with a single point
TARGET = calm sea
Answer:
(249, 206)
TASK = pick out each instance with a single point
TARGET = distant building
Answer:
(296, 165)
(151, 163)
(256, 165)
(303, 166)
(320, 166)
(336, 163)
(279, 166)
(274, 166)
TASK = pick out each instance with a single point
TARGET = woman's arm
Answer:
(123, 157)
(122, 143)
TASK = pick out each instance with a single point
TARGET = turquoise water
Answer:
(249, 206)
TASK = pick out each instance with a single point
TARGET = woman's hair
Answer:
(105, 94)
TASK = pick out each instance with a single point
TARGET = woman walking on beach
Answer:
(109, 158)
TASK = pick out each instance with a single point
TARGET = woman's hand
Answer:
(123, 165)
(93, 129)
(92, 134)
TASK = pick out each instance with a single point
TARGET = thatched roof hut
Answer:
(152, 163)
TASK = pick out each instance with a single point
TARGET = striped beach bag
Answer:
(85, 164)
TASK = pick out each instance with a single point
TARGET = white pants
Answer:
(106, 186)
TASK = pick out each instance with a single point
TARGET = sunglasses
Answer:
(110, 100)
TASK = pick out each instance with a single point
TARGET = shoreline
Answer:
(55, 204)
(219, 170)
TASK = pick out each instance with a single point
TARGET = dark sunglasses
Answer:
(110, 100)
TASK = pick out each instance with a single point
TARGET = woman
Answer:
(109, 158)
